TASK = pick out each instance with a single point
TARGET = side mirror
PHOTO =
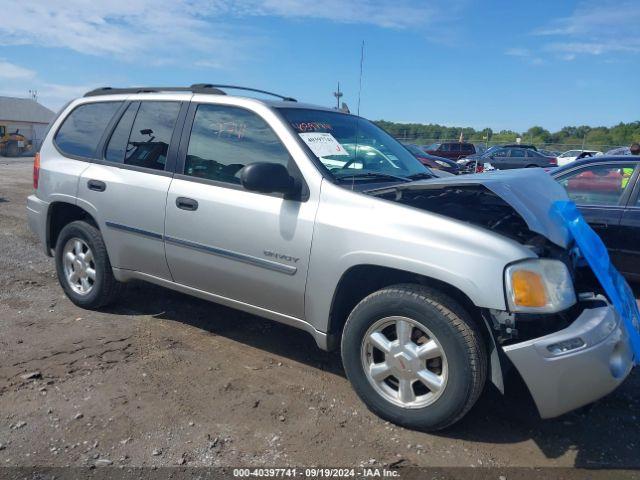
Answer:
(266, 177)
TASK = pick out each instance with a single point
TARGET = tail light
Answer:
(36, 170)
(553, 161)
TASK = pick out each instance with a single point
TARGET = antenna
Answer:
(338, 94)
(33, 94)
(360, 85)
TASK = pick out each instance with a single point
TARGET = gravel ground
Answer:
(165, 379)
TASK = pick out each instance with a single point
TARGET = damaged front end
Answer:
(570, 350)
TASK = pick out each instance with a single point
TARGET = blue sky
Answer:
(504, 65)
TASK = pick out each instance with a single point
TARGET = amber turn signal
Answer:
(528, 289)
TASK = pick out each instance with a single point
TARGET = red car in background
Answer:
(432, 161)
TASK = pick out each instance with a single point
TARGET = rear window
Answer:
(81, 131)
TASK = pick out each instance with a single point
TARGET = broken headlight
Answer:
(539, 286)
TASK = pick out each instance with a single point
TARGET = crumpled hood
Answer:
(530, 192)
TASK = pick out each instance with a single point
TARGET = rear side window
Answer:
(117, 146)
(81, 131)
(142, 135)
(224, 139)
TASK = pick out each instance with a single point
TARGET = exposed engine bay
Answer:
(473, 204)
(511, 206)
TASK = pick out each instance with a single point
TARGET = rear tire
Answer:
(83, 266)
(435, 378)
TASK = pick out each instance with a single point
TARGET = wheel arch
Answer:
(62, 213)
(362, 280)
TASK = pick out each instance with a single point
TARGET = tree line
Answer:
(622, 134)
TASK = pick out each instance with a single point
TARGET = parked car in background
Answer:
(477, 155)
(433, 161)
(607, 191)
(516, 157)
(618, 151)
(451, 150)
(572, 155)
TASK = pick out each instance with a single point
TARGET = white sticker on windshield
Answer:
(323, 144)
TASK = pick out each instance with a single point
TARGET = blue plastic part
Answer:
(595, 253)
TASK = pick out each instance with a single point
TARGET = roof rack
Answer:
(195, 88)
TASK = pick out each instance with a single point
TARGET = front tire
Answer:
(83, 266)
(414, 356)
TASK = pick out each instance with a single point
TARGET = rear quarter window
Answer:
(82, 130)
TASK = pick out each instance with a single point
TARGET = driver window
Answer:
(224, 139)
(598, 184)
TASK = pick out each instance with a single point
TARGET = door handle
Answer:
(96, 185)
(185, 203)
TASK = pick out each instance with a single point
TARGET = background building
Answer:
(26, 116)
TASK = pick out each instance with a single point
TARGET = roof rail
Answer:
(195, 88)
(205, 86)
(113, 91)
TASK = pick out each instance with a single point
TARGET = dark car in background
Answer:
(451, 150)
(521, 145)
(505, 158)
(478, 155)
(433, 161)
(607, 192)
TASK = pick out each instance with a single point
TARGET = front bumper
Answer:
(563, 382)
(37, 211)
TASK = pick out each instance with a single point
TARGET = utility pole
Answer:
(338, 94)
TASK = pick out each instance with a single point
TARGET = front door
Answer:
(601, 191)
(629, 254)
(244, 246)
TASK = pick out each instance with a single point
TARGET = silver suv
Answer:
(318, 219)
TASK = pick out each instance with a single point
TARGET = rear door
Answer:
(602, 191)
(456, 151)
(127, 185)
(517, 158)
(243, 246)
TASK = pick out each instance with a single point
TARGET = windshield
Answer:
(491, 150)
(350, 146)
